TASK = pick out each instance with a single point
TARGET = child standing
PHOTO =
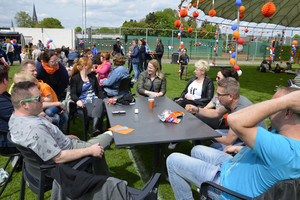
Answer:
(184, 61)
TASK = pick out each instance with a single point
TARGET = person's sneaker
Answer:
(172, 145)
(108, 133)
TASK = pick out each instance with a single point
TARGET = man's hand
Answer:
(62, 106)
(191, 108)
(97, 150)
(232, 150)
(79, 104)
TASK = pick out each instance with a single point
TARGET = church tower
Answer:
(34, 17)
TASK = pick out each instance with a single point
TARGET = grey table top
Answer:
(148, 127)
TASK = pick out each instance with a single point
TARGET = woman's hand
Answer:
(188, 97)
(80, 104)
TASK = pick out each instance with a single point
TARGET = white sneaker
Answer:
(108, 133)
(172, 145)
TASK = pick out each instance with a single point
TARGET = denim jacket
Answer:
(111, 84)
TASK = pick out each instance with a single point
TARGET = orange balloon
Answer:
(268, 9)
(232, 61)
(182, 28)
(177, 23)
(294, 42)
(236, 34)
(212, 13)
(183, 13)
(246, 30)
(190, 30)
(195, 14)
(203, 31)
(242, 9)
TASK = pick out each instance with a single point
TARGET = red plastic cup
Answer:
(151, 103)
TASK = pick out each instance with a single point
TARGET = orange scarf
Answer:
(49, 70)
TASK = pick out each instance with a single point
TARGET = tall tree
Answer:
(78, 29)
(23, 19)
(49, 23)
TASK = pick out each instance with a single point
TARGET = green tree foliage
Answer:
(49, 23)
(150, 18)
(78, 29)
(23, 19)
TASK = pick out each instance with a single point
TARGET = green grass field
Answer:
(123, 163)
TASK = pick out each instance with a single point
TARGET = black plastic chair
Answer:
(286, 189)
(81, 113)
(36, 172)
(74, 112)
(124, 86)
(10, 155)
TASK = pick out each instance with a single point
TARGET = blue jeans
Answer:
(220, 146)
(136, 71)
(204, 164)
(60, 120)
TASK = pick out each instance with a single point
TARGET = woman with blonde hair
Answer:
(151, 82)
(200, 89)
(86, 92)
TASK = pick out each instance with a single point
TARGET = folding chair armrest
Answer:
(205, 185)
(151, 185)
(84, 162)
(175, 98)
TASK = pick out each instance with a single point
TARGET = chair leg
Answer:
(41, 186)
(22, 192)
(11, 173)
(8, 161)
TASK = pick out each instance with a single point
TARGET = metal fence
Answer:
(197, 46)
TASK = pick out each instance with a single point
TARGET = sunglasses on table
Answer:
(39, 98)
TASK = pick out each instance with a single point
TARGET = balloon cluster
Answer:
(272, 51)
(216, 45)
(183, 12)
(81, 42)
(14, 42)
(281, 50)
(49, 43)
(293, 51)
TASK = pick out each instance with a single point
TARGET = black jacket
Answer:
(207, 94)
(77, 83)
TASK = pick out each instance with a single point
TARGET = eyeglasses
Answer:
(39, 98)
(218, 77)
(221, 95)
(54, 61)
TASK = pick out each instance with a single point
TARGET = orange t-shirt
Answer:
(46, 90)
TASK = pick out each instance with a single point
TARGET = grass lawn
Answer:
(123, 163)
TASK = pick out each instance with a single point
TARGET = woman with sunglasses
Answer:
(86, 92)
(52, 72)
